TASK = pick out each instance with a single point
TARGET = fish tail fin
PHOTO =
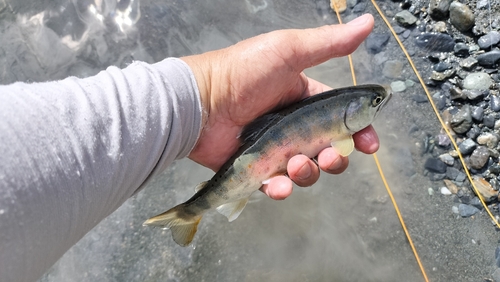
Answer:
(183, 225)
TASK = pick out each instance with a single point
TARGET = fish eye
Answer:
(376, 100)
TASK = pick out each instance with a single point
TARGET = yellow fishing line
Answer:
(379, 167)
(436, 112)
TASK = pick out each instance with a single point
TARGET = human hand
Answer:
(244, 81)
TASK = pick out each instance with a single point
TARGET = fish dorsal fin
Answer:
(233, 209)
(200, 186)
(344, 146)
(253, 130)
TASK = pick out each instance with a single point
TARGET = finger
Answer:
(302, 170)
(330, 161)
(278, 188)
(366, 140)
(311, 47)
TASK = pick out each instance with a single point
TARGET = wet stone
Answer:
(489, 121)
(483, 4)
(447, 159)
(495, 103)
(441, 66)
(467, 210)
(436, 42)
(452, 173)
(461, 122)
(405, 18)
(475, 202)
(476, 93)
(359, 8)
(488, 139)
(479, 158)
(461, 16)
(440, 27)
(419, 98)
(468, 63)
(398, 86)
(485, 190)
(489, 59)
(488, 40)
(477, 113)
(438, 9)
(456, 94)
(375, 42)
(461, 50)
(441, 76)
(443, 140)
(474, 132)
(467, 146)
(478, 80)
(437, 176)
(435, 165)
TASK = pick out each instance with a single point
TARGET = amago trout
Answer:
(306, 127)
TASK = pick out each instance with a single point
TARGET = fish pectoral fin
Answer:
(344, 146)
(200, 186)
(182, 225)
(233, 209)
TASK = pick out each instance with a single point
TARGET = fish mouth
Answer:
(387, 98)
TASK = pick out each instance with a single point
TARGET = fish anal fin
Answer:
(200, 186)
(233, 209)
(344, 146)
(182, 225)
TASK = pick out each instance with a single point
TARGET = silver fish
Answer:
(306, 127)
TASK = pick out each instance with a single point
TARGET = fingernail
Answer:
(361, 20)
(304, 172)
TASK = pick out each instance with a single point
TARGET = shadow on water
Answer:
(344, 228)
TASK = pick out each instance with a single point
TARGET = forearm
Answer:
(71, 152)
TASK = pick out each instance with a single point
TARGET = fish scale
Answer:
(268, 143)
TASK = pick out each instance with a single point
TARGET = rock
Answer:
(484, 189)
(474, 132)
(489, 39)
(438, 9)
(359, 8)
(440, 27)
(461, 50)
(341, 5)
(452, 173)
(475, 202)
(443, 140)
(483, 4)
(454, 209)
(447, 159)
(441, 76)
(405, 18)
(398, 86)
(451, 186)
(461, 16)
(495, 103)
(445, 191)
(392, 69)
(467, 146)
(477, 113)
(380, 58)
(468, 63)
(430, 191)
(488, 139)
(489, 59)
(435, 165)
(409, 83)
(479, 157)
(489, 121)
(441, 66)
(478, 80)
(461, 122)
(375, 42)
(419, 98)
(476, 93)
(467, 210)
(456, 93)
(436, 42)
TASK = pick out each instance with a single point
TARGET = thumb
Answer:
(317, 45)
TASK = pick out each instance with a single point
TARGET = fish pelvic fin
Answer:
(233, 209)
(344, 146)
(182, 225)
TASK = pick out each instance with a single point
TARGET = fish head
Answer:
(365, 105)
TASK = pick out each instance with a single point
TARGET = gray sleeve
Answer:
(72, 151)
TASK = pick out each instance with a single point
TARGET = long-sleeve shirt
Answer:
(72, 151)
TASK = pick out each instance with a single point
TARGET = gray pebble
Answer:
(452, 173)
(476, 93)
(495, 103)
(440, 27)
(435, 165)
(461, 16)
(461, 50)
(489, 121)
(375, 42)
(467, 210)
(467, 146)
(461, 177)
(461, 121)
(438, 9)
(398, 86)
(474, 132)
(447, 159)
(479, 157)
(405, 18)
(441, 76)
(441, 66)
(477, 113)
(478, 80)
(489, 39)
(359, 8)
(483, 4)
(443, 140)
(476, 203)
(468, 63)
(457, 93)
(489, 59)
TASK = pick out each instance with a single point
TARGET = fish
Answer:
(267, 144)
